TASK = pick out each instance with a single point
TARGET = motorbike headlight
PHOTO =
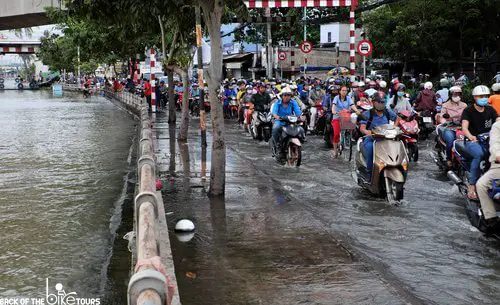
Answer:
(292, 119)
(391, 133)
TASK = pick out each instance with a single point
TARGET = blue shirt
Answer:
(327, 102)
(379, 120)
(281, 111)
(342, 105)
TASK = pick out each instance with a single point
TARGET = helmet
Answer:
(382, 84)
(286, 90)
(338, 81)
(444, 82)
(428, 85)
(495, 87)
(480, 90)
(456, 89)
(361, 84)
(354, 84)
(401, 87)
(293, 87)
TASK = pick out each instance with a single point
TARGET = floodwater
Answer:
(310, 235)
(64, 162)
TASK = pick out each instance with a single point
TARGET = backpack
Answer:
(356, 133)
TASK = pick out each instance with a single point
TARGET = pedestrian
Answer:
(147, 92)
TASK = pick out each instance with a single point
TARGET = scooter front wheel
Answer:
(394, 190)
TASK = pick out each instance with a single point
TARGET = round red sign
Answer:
(365, 47)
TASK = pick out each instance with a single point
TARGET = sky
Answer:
(9, 59)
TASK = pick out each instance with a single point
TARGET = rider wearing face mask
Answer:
(399, 101)
(452, 110)
(477, 119)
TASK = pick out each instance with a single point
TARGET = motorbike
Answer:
(459, 177)
(261, 128)
(440, 147)
(233, 108)
(390, 164)
(178, 103)
(426, 124)
(289, 150)
(194, 105)
(247, 115)
(409, 126)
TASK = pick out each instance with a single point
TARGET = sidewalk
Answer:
(258, 246)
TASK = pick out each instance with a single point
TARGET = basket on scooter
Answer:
(346, 121)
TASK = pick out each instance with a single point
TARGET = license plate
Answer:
(427, 119)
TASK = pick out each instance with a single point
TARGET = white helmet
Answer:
(361, 84)
(456, 89)
(428, 85)
(495, 87)
(286, 90)
(293, 87)
(444, 82)
(382, 84)
(480, 90)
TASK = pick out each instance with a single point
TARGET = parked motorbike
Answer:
(459, 177)
(390, 164)
(261, 128)
(289, 150)
(409, 126)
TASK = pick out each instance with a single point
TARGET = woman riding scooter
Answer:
(449, 118)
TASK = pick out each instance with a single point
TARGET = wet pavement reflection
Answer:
(312, 236)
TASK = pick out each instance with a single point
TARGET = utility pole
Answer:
(269, 53)
(201, 83)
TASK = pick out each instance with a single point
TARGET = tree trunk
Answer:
(212, 13)
(183, 133)
(171, 96)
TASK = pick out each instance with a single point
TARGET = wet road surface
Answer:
(63, 163)
(312, 236)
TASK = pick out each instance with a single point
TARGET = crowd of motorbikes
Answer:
(397, 143)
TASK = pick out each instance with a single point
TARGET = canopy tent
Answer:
(317, 3)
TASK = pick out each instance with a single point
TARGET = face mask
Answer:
(379, 106)
(482, 101)
(401, 93)
(456, 99)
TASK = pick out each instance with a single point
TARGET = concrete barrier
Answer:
(153, 281)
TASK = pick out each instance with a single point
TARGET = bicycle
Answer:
(347, 127)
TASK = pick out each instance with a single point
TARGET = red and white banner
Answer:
(299, 3)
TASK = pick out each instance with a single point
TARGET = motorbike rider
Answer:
(372, 88)
(444, 91)
(477, 119)
(494, 100)
(316, 96)
(261, 101)
(484, 183)
(399, 101)
(377, 116)
(426, 100)
(285, 106)
(340, 103)
(454, 108)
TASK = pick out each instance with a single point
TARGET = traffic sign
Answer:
(306, 46)
(282, 55)
(365, 48)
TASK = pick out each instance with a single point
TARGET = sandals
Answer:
(471, 194)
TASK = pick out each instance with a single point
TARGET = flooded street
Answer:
(312, 236)
(63, 163)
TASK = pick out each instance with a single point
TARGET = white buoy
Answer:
(184, 225)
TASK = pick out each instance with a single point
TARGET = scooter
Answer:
(247, 115)
(390, 164)
(178, 103)
(261, 128)
(289, 150)
(409, 126)
(233, 108)
(440, 147)
(459, 177)
(426, 124)
(194, 105)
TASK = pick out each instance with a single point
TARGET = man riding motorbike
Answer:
(484, 183)
(450, 115)
(261, 101)
(377, 116)
(282, 108)
(494, 100)
(316, 96)
(477, 119)
(426, 100)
